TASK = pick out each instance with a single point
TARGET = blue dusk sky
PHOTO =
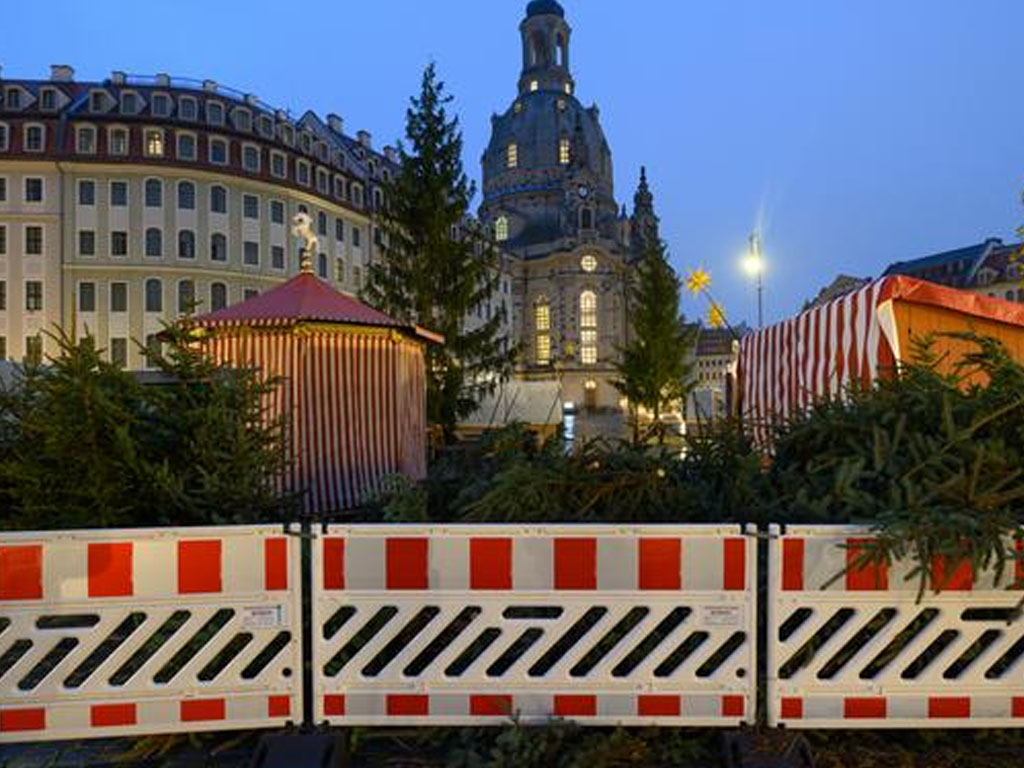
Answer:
(854, 133)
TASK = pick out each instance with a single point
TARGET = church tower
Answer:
(549, 198)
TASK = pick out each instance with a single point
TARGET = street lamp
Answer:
(753, 265)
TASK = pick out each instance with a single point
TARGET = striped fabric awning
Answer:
(820, 353)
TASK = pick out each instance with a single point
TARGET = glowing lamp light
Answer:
(753, 264)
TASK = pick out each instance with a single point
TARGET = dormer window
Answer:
(161, 104)
(12, 98)
(266, 126)
(188, 108)
(306, 142)
(243, 120)
(321, 151)
(97, 101)
(568, 89)
(288, 135)
(214, 113)
(48, 99)
(129, 103)
(512, 156)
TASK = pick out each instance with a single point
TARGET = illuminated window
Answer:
(588, 263)
(588, 328)
(154, 142)
(512, 156)
(501, 229)
(542, 331)
(534, 85)
(568, 88)
(563, 151)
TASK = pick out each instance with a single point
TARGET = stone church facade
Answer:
(549, 199)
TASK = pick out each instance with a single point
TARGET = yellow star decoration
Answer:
(716, 316)
(698, 281)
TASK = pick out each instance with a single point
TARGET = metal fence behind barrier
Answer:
(119, 632)
(861, 652)
(475, 624)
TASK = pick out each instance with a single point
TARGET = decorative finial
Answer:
(302, 227)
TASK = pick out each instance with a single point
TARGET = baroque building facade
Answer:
(127, 202)
(549, 199)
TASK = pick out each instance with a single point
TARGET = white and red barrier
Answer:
(849, 645)
(118, 632)
(476, 624)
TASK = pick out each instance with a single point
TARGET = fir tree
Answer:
(654, 369)
(435, 270)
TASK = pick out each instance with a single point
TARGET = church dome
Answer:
(541, 7)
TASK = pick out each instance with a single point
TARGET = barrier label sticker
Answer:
(263, 616)
(721, 615)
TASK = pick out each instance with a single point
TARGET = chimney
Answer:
(251, 100)
(281, 116)
(210, 86)
(62, 73)
(163, 79)
(117, 77)
(391, 154)
(365, 138)
(335, 123)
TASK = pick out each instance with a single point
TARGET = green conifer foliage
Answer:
(435, 270)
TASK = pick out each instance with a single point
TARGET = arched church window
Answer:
(512, 155)
(563, 151)
(560, 50)
(542, 331)
(588, 328)
(586, 218)
(501, 229)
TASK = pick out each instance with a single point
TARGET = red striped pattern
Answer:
(820, 353)
(352, 406)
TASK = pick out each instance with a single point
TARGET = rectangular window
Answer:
(3, 347)
(218, 199)
(512, 156)
(302, 173)
(34, 138)
(86, 140)
(3, 295)
(33, 240)
(86, 242)
(33, 190)
(87, 297)
(34, 349)
(214, 113)
(322, 182)
(118, 141)
(3, 239)
(118, 194)
(119, 297)
(153, 349)
(119, 352)
(277, 165)
(357, 196)
(186, 146)
(277, 256)
(161, 104)
(218, 151)
(251, 253)
(4, 137)
(277, 212)
(33, 295)
(129, 104)
(339, 187)
(339, 230)
(339, 270)
(154, 142)
(243, 120)
(86, 192)
(96, 101)
(118, 243)
(543, 349)
(356, 236)
(588, 347)
(48, 99)
(357, 277)
(250, 206)
(251, 158)
(3, 189)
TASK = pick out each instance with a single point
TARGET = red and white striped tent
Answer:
(352, 391)
(786, 367)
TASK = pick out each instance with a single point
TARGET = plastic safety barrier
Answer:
(118, 632)
(476, 624)
(861, 652)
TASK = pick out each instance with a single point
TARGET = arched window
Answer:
(512, 155)
(154, 242)
(186, 244)
(154, 193)
(588, 327)
(321, 265)
(501, 229)
(186, 196)
(218, 296)
(186, 296)
(218, 199)
(560, 50)
(564, 154)
(154, 295)
(542, 331)
(586, 218)
(218, 247)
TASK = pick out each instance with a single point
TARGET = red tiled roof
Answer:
(304, 298)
